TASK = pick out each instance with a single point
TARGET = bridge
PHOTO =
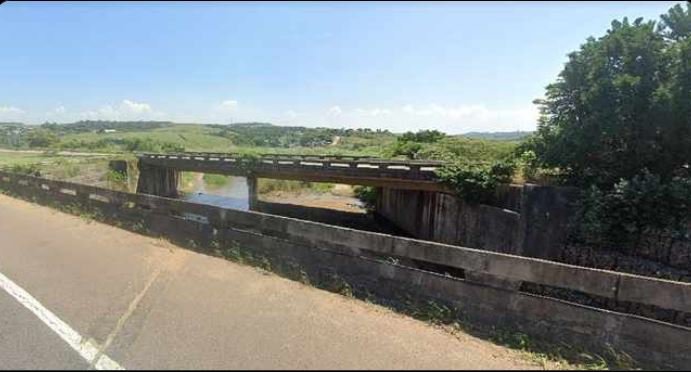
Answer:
(105, 298)
(159, 171)
(116, 299)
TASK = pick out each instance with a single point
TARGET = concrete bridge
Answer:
(158, 172)
(148, 308)
(83, 295)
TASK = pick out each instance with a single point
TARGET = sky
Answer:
(451, 66)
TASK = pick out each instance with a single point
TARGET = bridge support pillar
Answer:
(252, 192)
(159, 181)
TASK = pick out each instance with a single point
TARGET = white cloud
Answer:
(373, 112)
(228, 105)
(126, 110)
(10, 110)
(474, 117)
(457, 112)
(134, 107)
(11, 113)
(56, 114)
(453, 119)
(335, 111)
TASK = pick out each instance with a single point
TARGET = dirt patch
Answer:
(338, 199)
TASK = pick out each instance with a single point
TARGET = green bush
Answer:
(28, 169)
(41, 138)
(268, 185)
(619, 218)
(123, 144)
(215, 181)
(476, 182)
(367, 195)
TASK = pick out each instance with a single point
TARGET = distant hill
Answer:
(10, 124)
(95, 125)
(502, 136)
(250, 125)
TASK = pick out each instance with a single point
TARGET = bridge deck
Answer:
(400, 174)
(148, 304)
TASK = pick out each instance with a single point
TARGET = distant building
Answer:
(109, 131)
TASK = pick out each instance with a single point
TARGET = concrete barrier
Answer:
(357, 255)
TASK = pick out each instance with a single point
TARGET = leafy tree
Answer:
(410, 150)
(41, 138)
(425, 136)
(476, 182)
(410, 143)
(617, 122)
(676, 26)
(620, 105)
(676, 23)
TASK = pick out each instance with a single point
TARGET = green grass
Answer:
(10, 159)
(193, 137)
(210, 138)
(202, 138)
(215, 180)
(266, 185)
(80, 169)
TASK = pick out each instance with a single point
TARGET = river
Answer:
(221, 191)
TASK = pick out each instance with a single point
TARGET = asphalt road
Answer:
(80, 295)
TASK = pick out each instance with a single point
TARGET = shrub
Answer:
(367, 195)
(28, 169)
(41, 138)
(476, 182)
(618, 218)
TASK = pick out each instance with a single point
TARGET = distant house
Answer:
(109, 130)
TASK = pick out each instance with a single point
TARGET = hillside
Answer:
(499, 136)
(255, 137)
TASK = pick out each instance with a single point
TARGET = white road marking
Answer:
(87, 349)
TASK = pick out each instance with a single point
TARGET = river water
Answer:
(232, 192)
(223, 191)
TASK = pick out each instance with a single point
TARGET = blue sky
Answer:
(456, 67)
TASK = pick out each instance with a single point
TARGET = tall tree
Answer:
(621, 104)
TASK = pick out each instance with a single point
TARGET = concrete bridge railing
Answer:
(400, 174)
(616, 285)
(362, 258)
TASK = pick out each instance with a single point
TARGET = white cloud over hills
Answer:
(453, 119)
(450, 119)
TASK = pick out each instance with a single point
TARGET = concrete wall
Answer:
(159, 181)
(527, 220)
(446, 219)
(530, 220)
(353, 220)
(359, 258)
